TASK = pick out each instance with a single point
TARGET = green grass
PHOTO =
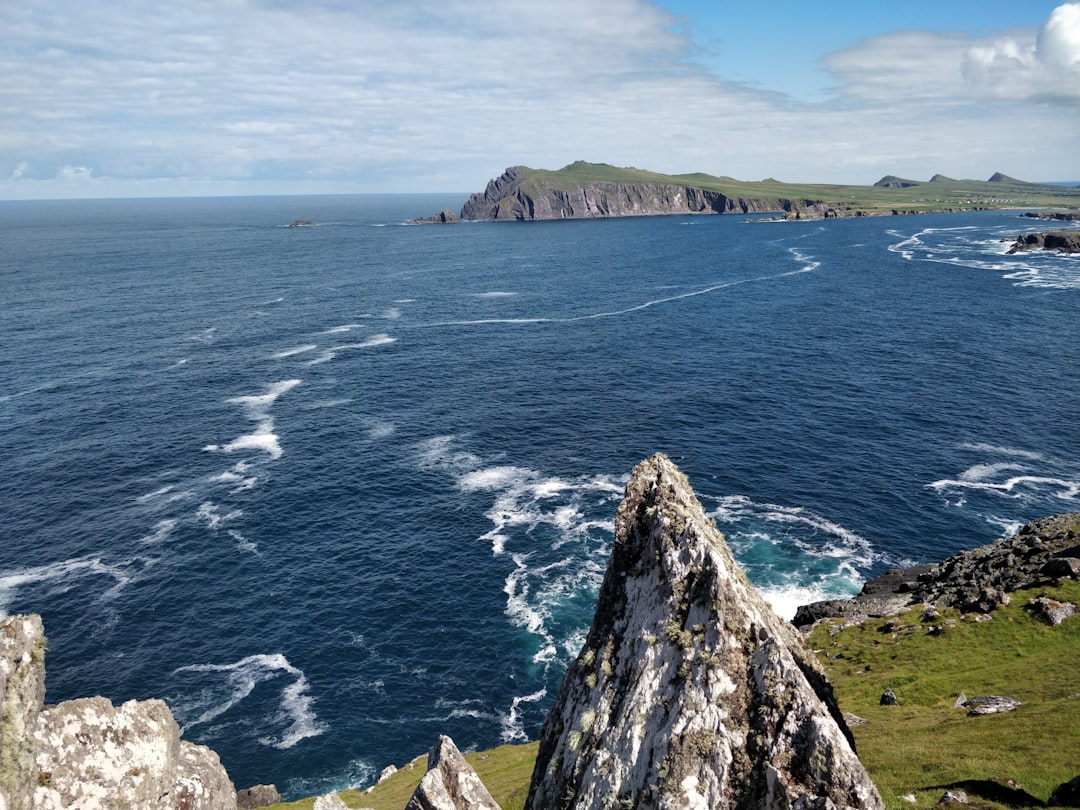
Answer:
(942, 193)
(922, 745)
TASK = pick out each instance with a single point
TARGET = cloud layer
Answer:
(246, 95)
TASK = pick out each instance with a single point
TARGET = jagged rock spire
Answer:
(450, 783)
(690, 692)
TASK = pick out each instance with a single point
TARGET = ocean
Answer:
(331, 491)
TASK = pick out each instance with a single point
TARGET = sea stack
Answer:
(690, 692)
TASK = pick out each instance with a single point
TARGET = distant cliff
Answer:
(597, 190)
(521, 194)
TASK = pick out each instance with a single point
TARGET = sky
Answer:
(146, 98)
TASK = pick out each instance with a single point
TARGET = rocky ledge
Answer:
(974, 581)
(1060, 241)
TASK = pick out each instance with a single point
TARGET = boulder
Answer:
(450, 783)
(1061, 567)
(990, 704)
(329, 801)
(257, 796)
(690, 691)
(888, 698)
(22, 690)
(1049, 610)
(1066, 794)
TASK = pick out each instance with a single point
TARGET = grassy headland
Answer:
(900, 196)
(923, 745)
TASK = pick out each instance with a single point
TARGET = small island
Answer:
(302, 223)
(597, 190)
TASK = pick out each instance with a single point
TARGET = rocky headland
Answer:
(689, 692)
(1058, 241)
(595, 190)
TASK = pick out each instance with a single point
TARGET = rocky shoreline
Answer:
(1059, 241)
(974, 581)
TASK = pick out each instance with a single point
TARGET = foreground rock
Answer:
(1059, 241)
(450, 783)
(88, 754)
(973, 581)
(690, 691)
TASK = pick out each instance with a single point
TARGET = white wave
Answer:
(1064, 488)
(405, 301)
(808, 263)
(58, 576)
(210, 513)
(327, 403)
(347, 327)
(295, 719)
(980, 472)
(493, 294)
(329, 354)
(157, 493)
(242, 542)
(262, 438)
(786, 599)
(981, 249)
(984, 447)
(205, 336)
(257, 405)
(513, 730)
(162, 530)
(392, 314)
(307, 347)
(183, 361)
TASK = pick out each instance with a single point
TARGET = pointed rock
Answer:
(690, 692)
(450, 783)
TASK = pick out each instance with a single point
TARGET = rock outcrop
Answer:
(22, 691)
(450, 783)
(976, 580)
(89, 754)
(1060, 241)
(690, 692)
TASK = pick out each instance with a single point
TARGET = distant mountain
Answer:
(892, 181)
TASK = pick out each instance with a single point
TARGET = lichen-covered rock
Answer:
(450, 783)
(329, 801)
(90, 754)
(257, 796)
(690, 692)
(22, 690)
(1049, 610)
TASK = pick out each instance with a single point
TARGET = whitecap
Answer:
(157, 493)
(347, 327)
(161, 532)
(513, 729)
(307, 347)
(392, 314)
(494, 294)
(210, 513)
(59, 575)
(258, 404)
(295, 718)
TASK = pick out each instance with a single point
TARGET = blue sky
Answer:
(134, 98)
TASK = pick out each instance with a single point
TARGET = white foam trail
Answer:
(329, 354)
(205, 336)
(257, 405)
(493, 294)
(295, 710)
(984, 447)
(162, 530)
(59, 572)
(513, 730)
(392, 314)
(1067, 490)
(628, 310)
(348, 327)
(242, 542)
(980, 472)
(307, 347)
(210, 513)
(157, 493)
(785, 600)
(263, 438)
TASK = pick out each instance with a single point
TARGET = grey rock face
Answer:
(86, 753)
(22, 690)
(450, 783)
(1049, 610)
(690, 692)
(990, 704)
(92, 754)
(257, 796)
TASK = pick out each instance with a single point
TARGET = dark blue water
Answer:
(332, 491)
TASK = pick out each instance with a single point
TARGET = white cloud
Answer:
(443, 94)
(1042, 65)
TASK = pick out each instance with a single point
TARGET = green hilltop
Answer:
(890, 194)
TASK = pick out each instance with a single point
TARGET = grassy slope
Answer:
(921, 745)
(929, 196)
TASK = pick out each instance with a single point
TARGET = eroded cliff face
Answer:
(89, 754)
(690, 692)
(511, 197)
